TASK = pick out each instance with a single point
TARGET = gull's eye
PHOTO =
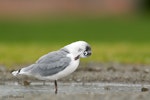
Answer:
(85, 53)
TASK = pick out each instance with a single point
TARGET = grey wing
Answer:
(49, 64)
(50, 57)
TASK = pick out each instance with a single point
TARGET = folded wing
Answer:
(48, 64)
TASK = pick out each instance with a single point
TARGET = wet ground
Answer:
(91, 81)
(13, 90)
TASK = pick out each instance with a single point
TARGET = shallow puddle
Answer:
(9, 88)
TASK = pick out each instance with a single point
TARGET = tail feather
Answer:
(15, 73)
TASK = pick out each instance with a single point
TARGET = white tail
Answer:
(15, 72)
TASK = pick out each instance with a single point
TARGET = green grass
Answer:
(123, 40)
(122, 53)
(12, 55)
(17, 55)
(67, 30)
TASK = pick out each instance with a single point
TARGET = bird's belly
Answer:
(68, 70)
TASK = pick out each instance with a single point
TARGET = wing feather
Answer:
(49, 64)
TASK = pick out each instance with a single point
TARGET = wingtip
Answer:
(15, 73)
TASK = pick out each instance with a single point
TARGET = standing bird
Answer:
(57, 64)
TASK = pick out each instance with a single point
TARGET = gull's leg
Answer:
(55, 86)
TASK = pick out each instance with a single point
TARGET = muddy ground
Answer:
(93, 73)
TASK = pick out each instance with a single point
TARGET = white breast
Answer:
(68, 70)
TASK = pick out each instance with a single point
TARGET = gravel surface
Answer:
(93, 73)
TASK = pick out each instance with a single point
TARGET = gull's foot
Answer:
(26, 83)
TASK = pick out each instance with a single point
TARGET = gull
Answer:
(57, 64)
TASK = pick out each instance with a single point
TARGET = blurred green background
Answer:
(120, 37)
